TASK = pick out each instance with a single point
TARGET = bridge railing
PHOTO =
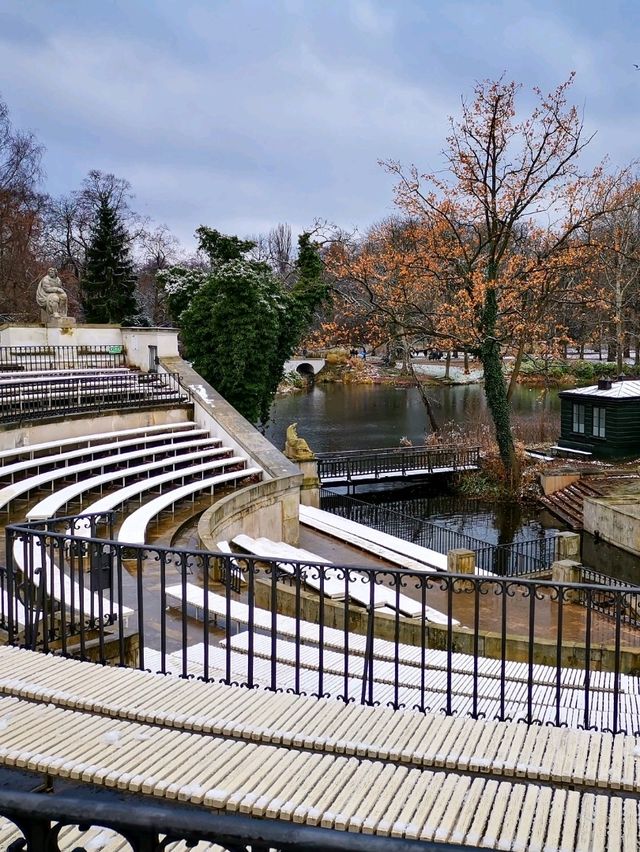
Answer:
(349, 465)
(35, 398)
(31, 358)
(475, 646)
(532, 556)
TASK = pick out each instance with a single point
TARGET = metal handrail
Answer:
(538, 634)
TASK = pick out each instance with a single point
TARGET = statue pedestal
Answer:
(57, 322)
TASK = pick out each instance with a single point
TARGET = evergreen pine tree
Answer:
(108, 285)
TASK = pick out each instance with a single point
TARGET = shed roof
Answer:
(618, 390)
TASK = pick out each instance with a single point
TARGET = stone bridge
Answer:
(304, 366)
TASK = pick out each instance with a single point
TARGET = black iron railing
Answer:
(32, 358)
(478, 646)
(532, 556)
(150, 825)
(607, 603)
(372, 465)
(33, 398)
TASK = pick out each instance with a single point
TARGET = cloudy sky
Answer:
(240, 114)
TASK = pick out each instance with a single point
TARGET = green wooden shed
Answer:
(603, 419)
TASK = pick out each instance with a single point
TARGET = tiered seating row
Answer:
(404, 792)
(45, 448)
(33, 467)
(97, 466)
(334, 583)
(271, 782)
(502, 749)
(383, 649)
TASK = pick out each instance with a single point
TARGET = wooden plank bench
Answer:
(347, 793)
(134, 527)
(496, 752)
(334, 582)
(371, 540)
(493, 748)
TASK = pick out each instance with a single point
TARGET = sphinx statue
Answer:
(51, 296)
(296, 448)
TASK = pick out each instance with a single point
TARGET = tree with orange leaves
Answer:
(496, 231)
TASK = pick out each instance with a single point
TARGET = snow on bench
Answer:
(335, 582)
(560, 449)
(61, 588)
(384, 649)
(422, 558)
(32, 483)
(33, 466)
(208, 457)
(134, 527)
(87, 440)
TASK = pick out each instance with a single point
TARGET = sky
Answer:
(239, 114)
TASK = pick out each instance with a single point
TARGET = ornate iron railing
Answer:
(490, 647)
(32, 358)
(149, 826)
(31, 399)
(356, 466)
(532, 556)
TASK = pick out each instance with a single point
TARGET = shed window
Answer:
(599, 422)
(578, 418)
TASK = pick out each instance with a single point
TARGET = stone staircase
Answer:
(568, 503)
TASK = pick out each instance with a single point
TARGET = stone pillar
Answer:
(310, 488)
(461, 561)
(569, 546)
(567, 571)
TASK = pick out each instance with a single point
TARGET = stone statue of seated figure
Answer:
(50, 295)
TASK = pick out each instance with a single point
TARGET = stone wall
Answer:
(136, 341)
(615, 519)
(268, 508)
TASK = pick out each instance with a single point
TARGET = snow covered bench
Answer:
(134, 528)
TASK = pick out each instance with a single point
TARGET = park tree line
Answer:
(515, 248)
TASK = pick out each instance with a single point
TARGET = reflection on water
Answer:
(347, 417)
(350, 417)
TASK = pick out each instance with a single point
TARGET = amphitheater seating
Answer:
(381, 544)
(209, 459)
(334, 582)
(383, 649)
(102, 465)
(45, 448)
(30, 467)
(333, 790)
(65, 591)
(134, 527)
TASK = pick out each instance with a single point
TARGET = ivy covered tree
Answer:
(109, 281)
(240, 324)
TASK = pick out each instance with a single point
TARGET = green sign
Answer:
(115, 350)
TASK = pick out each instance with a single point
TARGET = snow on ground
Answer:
(456, 374)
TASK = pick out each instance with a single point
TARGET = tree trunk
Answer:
(496, 391)
(619, 330)
(516, 369)
(447, 366)
(435, 428)
(466, 363)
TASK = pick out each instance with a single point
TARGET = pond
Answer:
(350, 417)
(340, 417)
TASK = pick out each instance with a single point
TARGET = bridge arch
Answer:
(306, 369)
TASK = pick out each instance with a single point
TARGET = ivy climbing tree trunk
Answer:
(495, 387)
